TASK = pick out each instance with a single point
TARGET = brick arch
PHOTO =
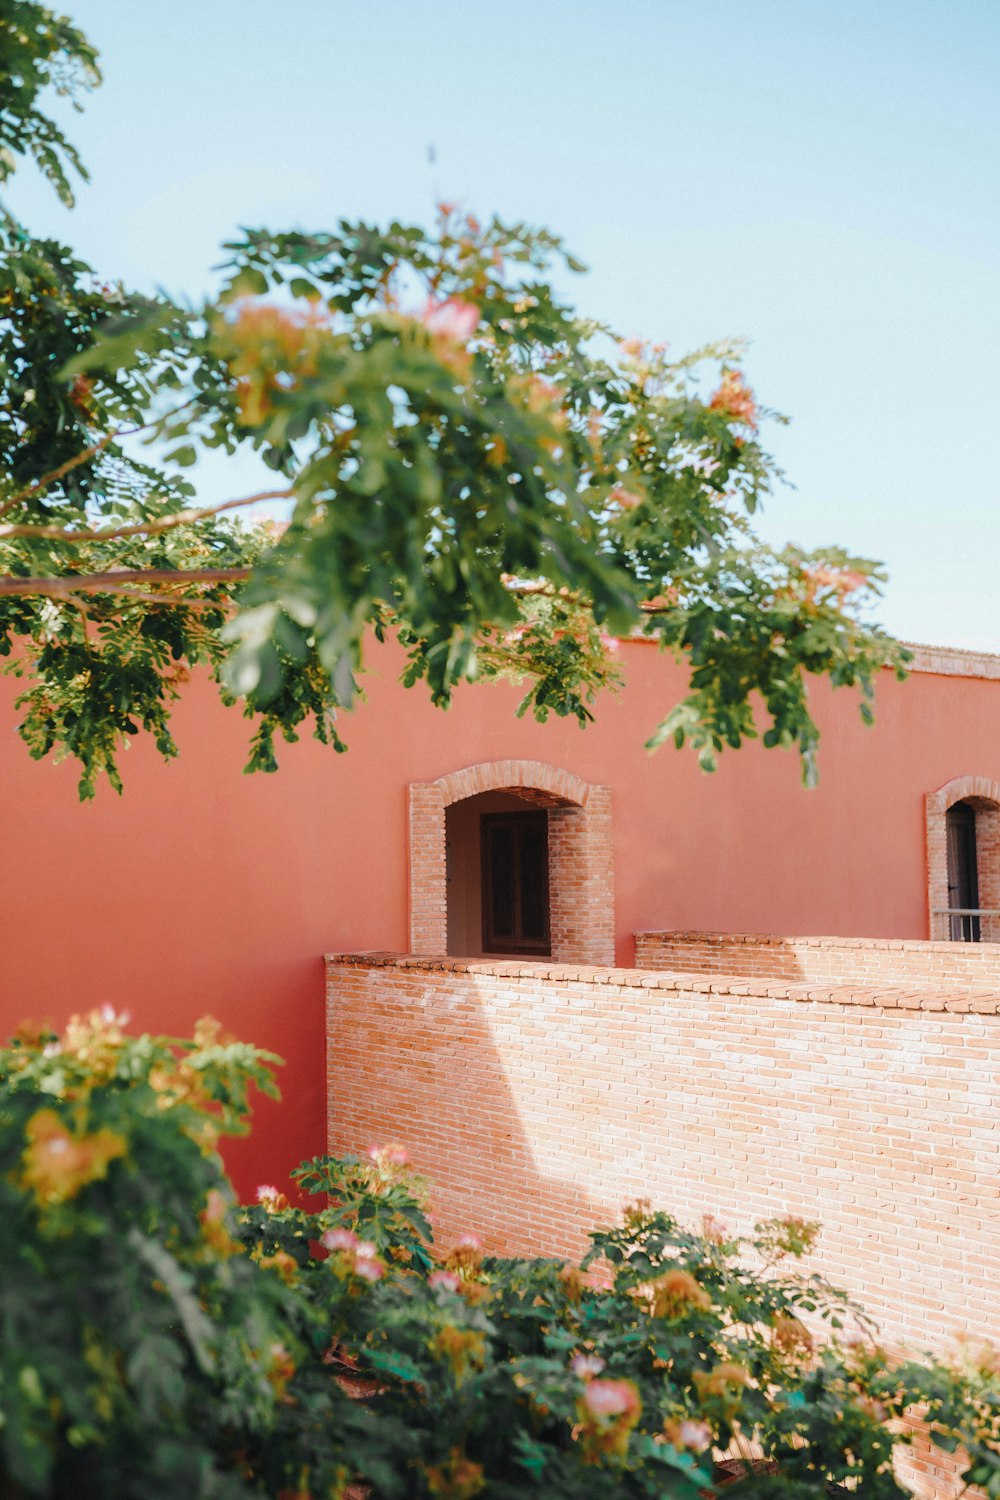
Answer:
(581, 855)
(984, 794)
(535, 777)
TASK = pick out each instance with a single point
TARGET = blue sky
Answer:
(819, 178)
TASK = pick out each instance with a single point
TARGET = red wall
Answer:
(203, 890)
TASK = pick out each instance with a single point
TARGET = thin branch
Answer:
(63, 469)
(171, 601)
(550, 591)
(139, 528)
(110, 583)
(81, 458)
(546, 590)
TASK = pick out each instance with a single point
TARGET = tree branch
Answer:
(109, 583)
(80, 458)
(138, 528)
(168, 601)
(63, 469)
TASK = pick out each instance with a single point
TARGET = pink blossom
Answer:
(367, 1249)
(392, 1155)
(734, 399)
(468, 1242)
(843, 580)
(215, 1210)
(664, 601)
(695, 1435)
(266, 1193)
(339, 1239)
(587, 1365)
(609, 642)
(610, 1398)
(112, 1017)
(453, 319)
(446, 1279)
(623, 498)
(369, 1268)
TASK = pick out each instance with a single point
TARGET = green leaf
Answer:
(248, 282)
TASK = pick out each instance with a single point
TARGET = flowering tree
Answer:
(463, 460)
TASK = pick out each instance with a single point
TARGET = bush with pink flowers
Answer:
(156, 1339)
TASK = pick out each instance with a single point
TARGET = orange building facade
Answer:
(202, 890)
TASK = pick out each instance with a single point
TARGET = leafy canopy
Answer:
(463, 460)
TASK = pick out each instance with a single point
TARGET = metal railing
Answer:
(965, 924)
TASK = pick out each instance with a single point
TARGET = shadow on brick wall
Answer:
(403, 1066)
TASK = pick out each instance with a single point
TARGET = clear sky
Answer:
(821, 178)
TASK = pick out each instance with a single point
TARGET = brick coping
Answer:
(953, 661)
(944, 661)
(710, 937)
(883, 996)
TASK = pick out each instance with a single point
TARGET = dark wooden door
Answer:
(963, 874)
(516, 882)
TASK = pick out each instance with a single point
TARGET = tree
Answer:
(464, 461)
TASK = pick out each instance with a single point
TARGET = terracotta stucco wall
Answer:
(201, 889)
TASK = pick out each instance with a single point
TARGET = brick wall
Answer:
(540, 1098)
(946, 966)
(953, 661)
(581, 881)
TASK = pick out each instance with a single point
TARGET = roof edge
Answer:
(953, 661)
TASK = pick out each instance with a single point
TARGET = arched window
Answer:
(963, 861)
(512, 857)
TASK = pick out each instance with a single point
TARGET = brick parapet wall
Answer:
(936, 661)
(953, 661)
(944, 966)
(983, 1000)
(539, 1098)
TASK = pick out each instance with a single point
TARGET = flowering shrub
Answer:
(158, 1340)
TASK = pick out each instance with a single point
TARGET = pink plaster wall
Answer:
(201, 889)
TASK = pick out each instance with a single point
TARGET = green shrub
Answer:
(157, 1340)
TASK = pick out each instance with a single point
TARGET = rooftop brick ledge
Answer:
(946, 661)
(711, 937)
(953, 661)
(886, 997)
